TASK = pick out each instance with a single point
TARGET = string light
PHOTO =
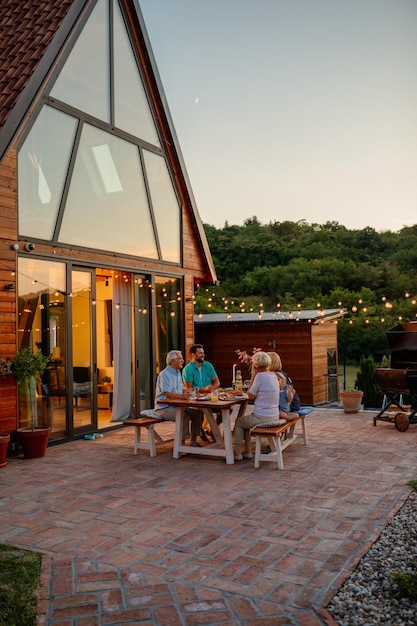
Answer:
(241, 306)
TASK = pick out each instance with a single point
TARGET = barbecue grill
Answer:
(401, 378)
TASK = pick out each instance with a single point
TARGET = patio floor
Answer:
(158, 541)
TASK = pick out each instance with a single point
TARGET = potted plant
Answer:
(27, 367)
(351, 400)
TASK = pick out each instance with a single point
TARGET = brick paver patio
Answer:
(158, 541)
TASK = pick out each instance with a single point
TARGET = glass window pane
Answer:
(132, 112)
(107, 207)
(84, 81)
(41, 326)
(82, 373)
(169, 318)
(143, 330)
(42, 168)
(165, 206)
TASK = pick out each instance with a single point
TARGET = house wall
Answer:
(194, 269)
(302, 347)
(8, 235)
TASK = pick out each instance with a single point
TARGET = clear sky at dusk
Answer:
(293, 109)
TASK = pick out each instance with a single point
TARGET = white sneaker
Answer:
(247, 455)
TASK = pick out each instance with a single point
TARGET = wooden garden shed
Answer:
(305, 340)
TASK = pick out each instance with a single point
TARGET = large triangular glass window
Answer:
(96, 148)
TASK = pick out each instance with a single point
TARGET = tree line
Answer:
(290, 265)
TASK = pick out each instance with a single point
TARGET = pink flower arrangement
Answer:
(246, 358)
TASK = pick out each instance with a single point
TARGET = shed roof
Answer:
(313, 316)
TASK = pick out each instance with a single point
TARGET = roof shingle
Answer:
(26, 29)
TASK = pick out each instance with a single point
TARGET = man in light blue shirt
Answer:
(169, 386)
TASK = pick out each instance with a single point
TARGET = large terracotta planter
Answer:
(4, 444)
(34, 442)
(351, 401)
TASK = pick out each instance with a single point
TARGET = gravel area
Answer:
(365, 599)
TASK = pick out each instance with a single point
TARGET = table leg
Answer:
(179, 418)
(213, 425)
(227, 435)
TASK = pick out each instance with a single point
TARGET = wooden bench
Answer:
(153, 439)
(279, 438)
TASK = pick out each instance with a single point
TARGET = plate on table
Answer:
(204, 398)
(231, 396)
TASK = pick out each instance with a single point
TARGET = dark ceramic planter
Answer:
(34, 442)
(4, 445)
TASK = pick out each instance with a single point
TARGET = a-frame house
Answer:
(101, 244)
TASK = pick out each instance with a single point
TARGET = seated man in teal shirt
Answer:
(199, 373)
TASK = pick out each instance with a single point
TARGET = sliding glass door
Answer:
(83, 384)
(145, 368)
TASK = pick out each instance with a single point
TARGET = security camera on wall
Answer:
(29, 246)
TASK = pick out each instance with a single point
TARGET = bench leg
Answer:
(276, 451)
(257, 450)
(304, 427)
(280, 460)
(137, 440)
(151, 437)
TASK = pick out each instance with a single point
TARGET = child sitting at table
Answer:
(286, 396)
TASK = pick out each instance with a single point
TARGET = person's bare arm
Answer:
(171, 395)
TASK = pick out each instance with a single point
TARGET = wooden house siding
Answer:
(8, 235)
(302, 347)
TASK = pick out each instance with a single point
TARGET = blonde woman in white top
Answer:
(264, 391)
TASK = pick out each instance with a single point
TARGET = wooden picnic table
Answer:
(223, 445)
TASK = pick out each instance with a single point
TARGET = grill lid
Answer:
(403, 337)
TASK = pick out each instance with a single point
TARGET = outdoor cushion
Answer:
(270, 424)
(151, 413)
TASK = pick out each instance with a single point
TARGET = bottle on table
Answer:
(239, 381)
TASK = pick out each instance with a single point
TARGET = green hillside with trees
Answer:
(295, 265)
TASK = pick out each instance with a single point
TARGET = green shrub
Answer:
(365, 381)
(404, 585)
